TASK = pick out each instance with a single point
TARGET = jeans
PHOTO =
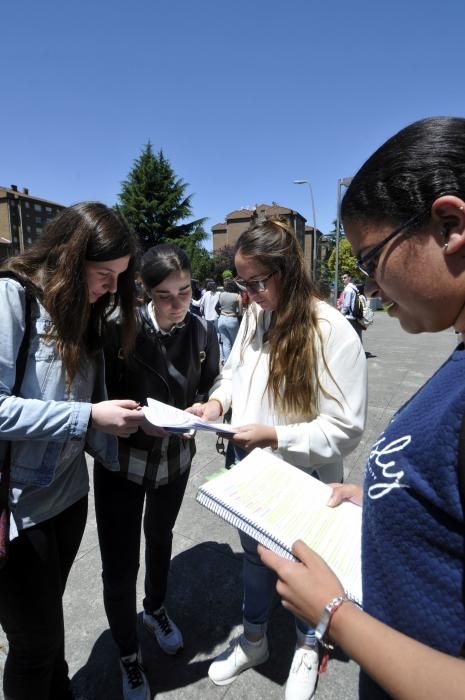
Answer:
(228, 327)
(118, 507)
(31, 606)
(260, 589)
(260, 595)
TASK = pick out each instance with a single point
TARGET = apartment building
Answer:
(22, 218)
(239, 220)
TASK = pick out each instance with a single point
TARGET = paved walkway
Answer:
(205, 586)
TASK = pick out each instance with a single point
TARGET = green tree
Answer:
(154, 202)
(347, 260)
(201, 259)
(223, 260)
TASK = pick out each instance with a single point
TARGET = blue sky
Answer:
(243, 96)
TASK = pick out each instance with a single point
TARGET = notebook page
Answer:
(285, 501)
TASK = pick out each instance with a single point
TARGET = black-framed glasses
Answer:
(254, 286)
(368, 263)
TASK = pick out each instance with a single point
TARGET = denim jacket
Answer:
(46, 415)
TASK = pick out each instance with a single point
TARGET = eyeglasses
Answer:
(368, 263)
(254, 286)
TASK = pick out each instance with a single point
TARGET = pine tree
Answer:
(154, 202)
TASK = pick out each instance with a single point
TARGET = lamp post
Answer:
(315, 234)
(342, 182)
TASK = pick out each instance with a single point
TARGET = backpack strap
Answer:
(21, 357)
(21, 360)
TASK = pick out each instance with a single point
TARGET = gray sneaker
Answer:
(239, 656)
(135, 684)
(167, 634)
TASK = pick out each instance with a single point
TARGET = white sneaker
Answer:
(167, 634)
(239, 656)
(135, 684)
(303, 675)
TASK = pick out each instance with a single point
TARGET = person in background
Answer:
(208, 303)
(409, 639)
(77, 272)
(176, 359)
(296, 381)
(349, 298)
(196, 296)
(230, 308)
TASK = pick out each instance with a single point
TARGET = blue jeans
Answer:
(228, 327)
(260, 590)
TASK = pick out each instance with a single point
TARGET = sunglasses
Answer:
(254, 286)
(369, 262)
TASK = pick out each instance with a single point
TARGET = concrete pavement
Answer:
(205, 586)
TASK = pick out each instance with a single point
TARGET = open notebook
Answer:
(276, 504)
(176, 421)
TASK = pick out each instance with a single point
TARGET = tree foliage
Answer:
(154, 202)
(347, 260)
(223, 260)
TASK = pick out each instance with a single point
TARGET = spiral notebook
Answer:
(276, 504)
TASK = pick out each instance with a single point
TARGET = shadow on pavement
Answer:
(205, 598)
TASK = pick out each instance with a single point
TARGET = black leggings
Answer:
(31, 607)
(118, 507)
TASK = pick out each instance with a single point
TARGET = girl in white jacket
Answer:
(296, 381)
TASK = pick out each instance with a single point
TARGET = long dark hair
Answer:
(162, 260)
(407, 173)
(56, 267)
(294, 337)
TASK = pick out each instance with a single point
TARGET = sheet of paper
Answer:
(176, 421)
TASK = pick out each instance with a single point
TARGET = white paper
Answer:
(176, 421)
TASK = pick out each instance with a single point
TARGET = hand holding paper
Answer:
(174, 420)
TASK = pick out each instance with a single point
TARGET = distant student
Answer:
(296, 380)
(230, 307)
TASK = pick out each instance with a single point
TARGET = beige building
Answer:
(22, 218)
(239, 221)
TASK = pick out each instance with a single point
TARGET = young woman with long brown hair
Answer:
(296, 381)
(76, 274)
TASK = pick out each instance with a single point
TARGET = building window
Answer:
(27, 205)
(38, 207)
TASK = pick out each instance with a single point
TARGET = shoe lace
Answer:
(134, 673)
(163, 620)
(305, 658)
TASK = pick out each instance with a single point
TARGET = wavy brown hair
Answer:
(294, 334)
(55, 268)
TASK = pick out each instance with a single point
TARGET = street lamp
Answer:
(342, 182)
(315, 234)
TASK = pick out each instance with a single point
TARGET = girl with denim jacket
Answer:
(79, 270)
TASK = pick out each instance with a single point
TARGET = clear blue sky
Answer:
(243, 96)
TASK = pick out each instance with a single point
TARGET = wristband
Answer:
(326, 616)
